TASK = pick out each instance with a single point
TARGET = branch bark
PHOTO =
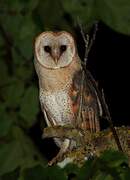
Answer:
(89, 144)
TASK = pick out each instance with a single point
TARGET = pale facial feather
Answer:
(55, 57)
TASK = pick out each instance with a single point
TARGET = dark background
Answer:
(108, 62)
(22, 150)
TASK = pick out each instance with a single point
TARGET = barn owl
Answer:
(59, 71)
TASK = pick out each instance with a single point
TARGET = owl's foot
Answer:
(59, 157)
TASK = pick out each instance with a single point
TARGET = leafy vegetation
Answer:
(20, 22)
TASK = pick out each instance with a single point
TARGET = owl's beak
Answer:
(56, 61)
(55, 55)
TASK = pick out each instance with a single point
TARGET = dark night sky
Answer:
(109, 64)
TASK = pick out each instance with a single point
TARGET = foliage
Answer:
(108, 166)
(111, 165)
(115, 13)
(20, 22)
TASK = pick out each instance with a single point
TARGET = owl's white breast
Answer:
(58, 105)
(55, 86)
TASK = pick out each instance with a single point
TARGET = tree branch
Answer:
(89, 143)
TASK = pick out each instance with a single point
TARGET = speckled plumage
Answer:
(57, 103)
(59, 71)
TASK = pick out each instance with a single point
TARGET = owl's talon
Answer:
(64, 149)
(57, 158)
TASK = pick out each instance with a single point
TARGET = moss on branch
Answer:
(89, 144)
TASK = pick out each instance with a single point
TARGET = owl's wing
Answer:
(48, 118)
(85, 101)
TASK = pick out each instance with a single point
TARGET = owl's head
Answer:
(55, 49)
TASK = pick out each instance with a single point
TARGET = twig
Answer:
(93, 37)
(86, 42)
(110, 122)
(88, 45)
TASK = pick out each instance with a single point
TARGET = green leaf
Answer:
(23, 69)
(12, 23)
(4, 74)
(24, 73)
(13, 93)
(14, 5)
(1, 41)
(108, 166)
(113, 163)
(125, 175)
(71, 169)
(56, 20)
(101, 175)
(29, 106)
(11, 176)
(116, 14)
(30, 5)
(18, 25)
(9, 157)
(42, 173)
(114, 158)
(17, 6)
(30, 156)
(19, 153)
(86, 170)
(5, 121)
(25, 39)
(56, 172)
(34, 173)
(81, 10)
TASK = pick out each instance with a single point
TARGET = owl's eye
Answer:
(47, 49)
(63, 48)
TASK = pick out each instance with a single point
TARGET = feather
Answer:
(91, 109)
